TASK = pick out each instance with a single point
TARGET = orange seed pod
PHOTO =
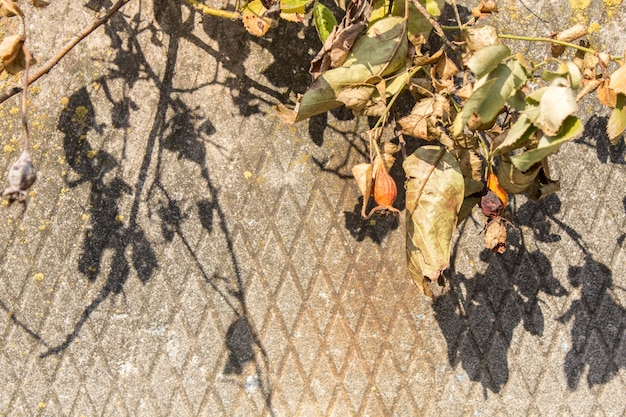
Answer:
(385, 190)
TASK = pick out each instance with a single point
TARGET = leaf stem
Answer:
(556, 41)
(68, 47)
(201, 7)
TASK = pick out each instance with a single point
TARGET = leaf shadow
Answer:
(597, 330)
(175, 128)
(479, 314)
(595, 137)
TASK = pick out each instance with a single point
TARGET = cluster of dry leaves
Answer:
(490, 129)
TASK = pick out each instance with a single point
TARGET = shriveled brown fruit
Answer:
(491, 205)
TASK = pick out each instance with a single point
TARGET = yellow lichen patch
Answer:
(579, 5)
(612, 3)
(91, 154)
(8, 149)
(64, 101)
(44, 225)
(119, 218)
(14, 110)
(594, 27)
(247, 175)
(38, 277)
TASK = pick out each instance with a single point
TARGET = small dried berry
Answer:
(22, 176)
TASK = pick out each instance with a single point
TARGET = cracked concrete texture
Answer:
(184, 253)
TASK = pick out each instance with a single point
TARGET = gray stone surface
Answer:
(184, 253)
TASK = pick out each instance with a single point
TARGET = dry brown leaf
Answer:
(341, 39)
(10, 50)
(10, 8)
(589, 87)
(495, 235)
(478, 37)
(618, 80)
(606, 95)
(485, 8)
(568, 35)
(363, 174)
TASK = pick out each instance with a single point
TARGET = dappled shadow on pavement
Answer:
(597, 330)
(479, 314)
(175, 128)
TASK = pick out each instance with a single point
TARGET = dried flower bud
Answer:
(22, 176)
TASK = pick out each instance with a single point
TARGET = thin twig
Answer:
(203, 8)
(556, 41)
(434, 23)
(456, 14)
(68, 47)
(27, 59)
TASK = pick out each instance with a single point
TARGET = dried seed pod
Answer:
(385, 190)
(568, 35)
(22, 176)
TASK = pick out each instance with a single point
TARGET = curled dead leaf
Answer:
(485, 8)
(10, 50)
(495, 235)
(589, 87)
(10, 8)
(568, 35)
(341, 39)
(480, 36)
(606, 95)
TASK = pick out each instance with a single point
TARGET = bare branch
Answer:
(68, 47)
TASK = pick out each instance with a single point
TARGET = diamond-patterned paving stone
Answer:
(269, 296)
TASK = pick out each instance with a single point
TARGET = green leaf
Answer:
(517, 136)
(617, 122)
(512, 179)
(575, 76)
(293, 6)
(486, 59)
(381, 51)
(434, 194)
(418, 24)
(557, 103)
(324, 20)
(572, 128)
(488, 99)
